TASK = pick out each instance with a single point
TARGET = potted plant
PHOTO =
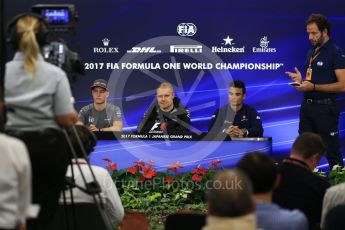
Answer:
(158, 194)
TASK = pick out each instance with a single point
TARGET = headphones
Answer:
(13, 37)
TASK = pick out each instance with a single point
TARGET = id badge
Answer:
(308, 74)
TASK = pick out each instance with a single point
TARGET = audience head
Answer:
(261, 170)
(165, 96)
(308, 147)
(87, 138)
(229, 194)
(335, 218)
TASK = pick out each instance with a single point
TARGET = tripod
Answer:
(71, 215)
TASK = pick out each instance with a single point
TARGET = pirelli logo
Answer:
(186, 49)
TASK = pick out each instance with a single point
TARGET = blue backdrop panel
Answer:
(128, 24)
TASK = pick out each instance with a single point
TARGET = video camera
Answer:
(59, 17)
(61, 22)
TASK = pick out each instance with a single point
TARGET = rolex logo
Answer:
(105, 48)
(105, 41)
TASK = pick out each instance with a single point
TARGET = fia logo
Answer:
(144, 50)
(186, 29)
(105, 41)
(264, 42)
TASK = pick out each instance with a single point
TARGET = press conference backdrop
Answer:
(199, 46)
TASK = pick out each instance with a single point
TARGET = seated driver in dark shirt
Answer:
(236, 118)
(166, 115)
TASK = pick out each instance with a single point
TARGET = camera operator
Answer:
(38, 98)
(109, 194)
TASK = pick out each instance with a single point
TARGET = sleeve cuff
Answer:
(246, 132)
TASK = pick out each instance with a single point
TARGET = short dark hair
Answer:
(238, 84)
(308, 144)
(87, 138)
(229, 194)
(321, 21)
(261, 170)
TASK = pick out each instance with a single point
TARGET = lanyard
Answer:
(313, 57)
(290, 160)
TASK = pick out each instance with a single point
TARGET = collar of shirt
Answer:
(19, 56)
(290, 160)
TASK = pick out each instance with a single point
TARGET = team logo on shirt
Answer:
(319, 63)
(91, 120)
(244, 118)
(155, 126)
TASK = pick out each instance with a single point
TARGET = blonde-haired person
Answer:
(38, 98)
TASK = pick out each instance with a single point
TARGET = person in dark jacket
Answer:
(236, 118)
(325, 79)
(300, 188)
(167, 114)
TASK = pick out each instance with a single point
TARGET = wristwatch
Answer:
(245, 132)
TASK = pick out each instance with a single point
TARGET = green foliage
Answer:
(319, 173)
(158, 194)
(337, 175)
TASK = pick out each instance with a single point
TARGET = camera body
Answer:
(59, 17)
(60, 20)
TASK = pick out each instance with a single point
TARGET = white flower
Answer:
(335, 167)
